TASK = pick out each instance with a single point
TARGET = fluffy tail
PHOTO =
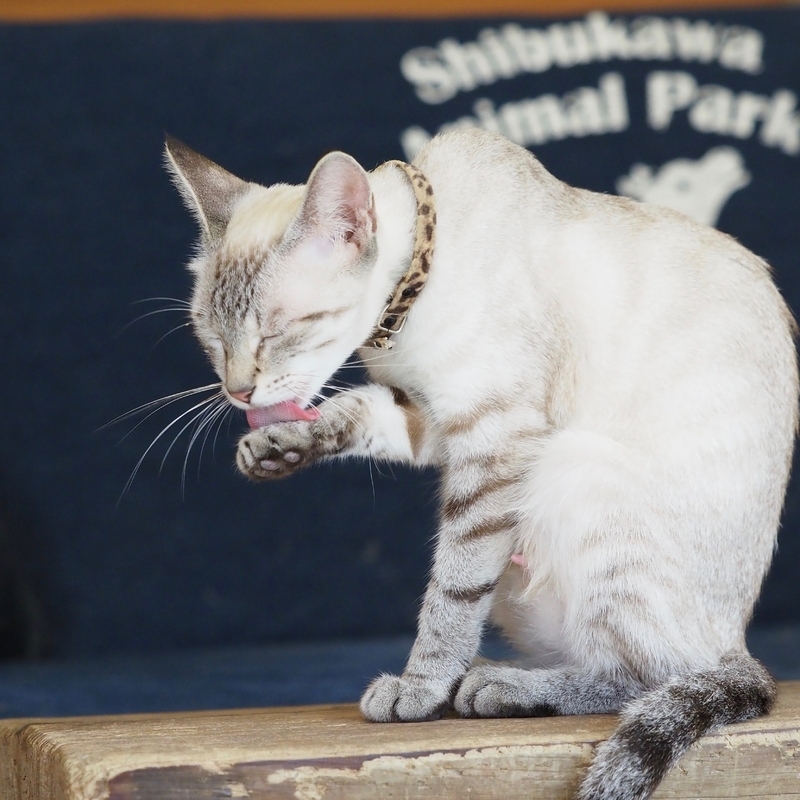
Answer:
(656, 729)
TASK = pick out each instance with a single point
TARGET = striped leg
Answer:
(475, 543)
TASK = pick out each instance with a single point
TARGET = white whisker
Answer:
(150, 314)
(178, 300)
(342, 409)
(161, 402)
(130, 480)
(211, 413)
(216, 415)
(220, 419)
(370, 459)
(176, 328)
(210, 403)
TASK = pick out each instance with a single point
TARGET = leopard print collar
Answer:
(393, 317)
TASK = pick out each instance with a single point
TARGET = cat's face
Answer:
(277, 319)
(281, 277)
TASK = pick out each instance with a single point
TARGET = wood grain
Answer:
(329, 752)
(61, 10)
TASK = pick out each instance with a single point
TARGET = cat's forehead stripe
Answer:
(234, 289)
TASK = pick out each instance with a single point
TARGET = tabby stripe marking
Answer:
(455, 507)
(463, 423)
(489, 527)
(415, 422)
(469, 595)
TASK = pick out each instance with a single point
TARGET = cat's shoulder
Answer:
(474, 155)
(473, 147)
(469, 143)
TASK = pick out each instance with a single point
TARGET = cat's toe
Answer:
(478, 690)
(492, 691)
(246, 458)
(258, 458)
(390, 698)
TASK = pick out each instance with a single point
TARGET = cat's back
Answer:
(647, 295)
(628, 256)
(490, 190)
(485, 178)
(641, 289)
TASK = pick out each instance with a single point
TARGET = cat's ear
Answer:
(339, 202)
(208, 191)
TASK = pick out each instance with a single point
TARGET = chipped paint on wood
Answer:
(443, 773)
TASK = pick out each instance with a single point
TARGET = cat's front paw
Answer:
(276, 451)
(390, 698)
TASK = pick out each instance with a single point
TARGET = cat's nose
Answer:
(243, 397)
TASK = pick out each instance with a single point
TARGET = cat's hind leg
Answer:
(501, 690)
(655, 729)
(639, 599)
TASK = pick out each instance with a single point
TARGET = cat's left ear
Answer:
(339, 203)
(209, 191)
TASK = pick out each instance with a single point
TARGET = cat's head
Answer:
(281, 275)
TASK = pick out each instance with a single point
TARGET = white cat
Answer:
(608, 389)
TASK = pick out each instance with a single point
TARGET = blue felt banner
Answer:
(695, 111)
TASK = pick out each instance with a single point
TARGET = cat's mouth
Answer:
(288, 411)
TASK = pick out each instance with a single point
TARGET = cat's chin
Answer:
(288, 411)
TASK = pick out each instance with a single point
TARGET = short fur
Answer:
(608, 389)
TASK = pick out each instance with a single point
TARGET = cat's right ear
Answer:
(208, 191)
(339, 204)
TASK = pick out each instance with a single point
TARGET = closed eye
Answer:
(274, 334)
(257, 342)
(214, 345)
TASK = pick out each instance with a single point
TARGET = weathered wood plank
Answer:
(329, 752)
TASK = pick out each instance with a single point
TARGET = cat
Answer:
(608, 389)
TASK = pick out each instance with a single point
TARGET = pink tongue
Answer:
(288, 411)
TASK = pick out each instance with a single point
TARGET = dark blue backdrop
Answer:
(89, 224)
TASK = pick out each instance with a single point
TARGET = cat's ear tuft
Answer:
(208, 191)
(339, 202)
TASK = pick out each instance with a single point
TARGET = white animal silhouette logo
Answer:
(699, 188)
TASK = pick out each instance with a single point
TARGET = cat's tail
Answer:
(658, 727)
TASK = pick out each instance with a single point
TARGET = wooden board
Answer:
(329, 752)
(59, 10)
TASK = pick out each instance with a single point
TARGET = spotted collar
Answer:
(393, 317)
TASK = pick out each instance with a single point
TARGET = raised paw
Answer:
(390, 698)
(492, 690)
(276, 451)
